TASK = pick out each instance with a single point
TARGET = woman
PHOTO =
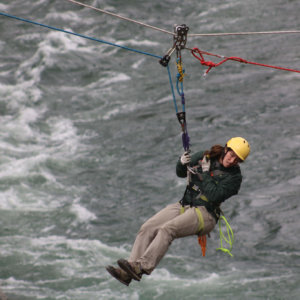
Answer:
(213, 177)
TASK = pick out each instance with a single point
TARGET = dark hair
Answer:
(218, 151)
(215, 152)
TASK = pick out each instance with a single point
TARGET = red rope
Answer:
(210, 64)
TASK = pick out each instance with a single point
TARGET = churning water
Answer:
(89, 141)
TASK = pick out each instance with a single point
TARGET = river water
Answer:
(89, 141)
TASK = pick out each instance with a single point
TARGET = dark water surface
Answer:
(89, 141)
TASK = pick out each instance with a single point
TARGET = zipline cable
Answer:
(201, 59)
(121, 17)
(242, 33)
(79, 35)
(190, 34)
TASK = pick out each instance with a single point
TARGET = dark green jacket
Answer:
(216, 185)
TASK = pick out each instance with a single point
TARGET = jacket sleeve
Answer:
(181, 170)
(219, 188)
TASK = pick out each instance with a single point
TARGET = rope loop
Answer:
(197, 53)
(228, 240)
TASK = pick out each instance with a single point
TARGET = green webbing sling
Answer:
(230, 239)
(230, 234)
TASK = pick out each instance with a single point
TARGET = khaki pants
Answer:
(156, 234)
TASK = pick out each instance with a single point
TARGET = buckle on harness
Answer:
(196, 188)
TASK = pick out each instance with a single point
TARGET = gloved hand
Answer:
(185, 158)
(205, 164)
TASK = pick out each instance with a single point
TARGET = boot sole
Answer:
(113, 273)
(124, 265)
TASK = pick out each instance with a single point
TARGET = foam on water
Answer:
(20, 199)
(137, 64)
(67, 16)
(164, 276)
(27, 154)
(21, 167)
(63, 136)
(138, 43)
(3, 7)
(126, 108)
(113, 78)
(83, 214)
(65, 259)
(216, 9)
(20, 93)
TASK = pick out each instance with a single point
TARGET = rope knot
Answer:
(210, 64)
(181, 71)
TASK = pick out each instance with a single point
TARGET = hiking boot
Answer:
(119, 274)
(133, 269)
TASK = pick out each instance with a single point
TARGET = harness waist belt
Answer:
(194, 197)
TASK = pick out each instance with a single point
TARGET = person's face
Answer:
(230, 159)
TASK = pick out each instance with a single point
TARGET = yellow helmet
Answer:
(240, 147)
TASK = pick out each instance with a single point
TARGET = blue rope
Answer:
(185, 137)
(172, 89)
(180, 92)
(79, 35)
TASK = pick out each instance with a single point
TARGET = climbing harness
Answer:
(197, 198)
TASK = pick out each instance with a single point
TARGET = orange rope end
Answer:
(202, 243)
